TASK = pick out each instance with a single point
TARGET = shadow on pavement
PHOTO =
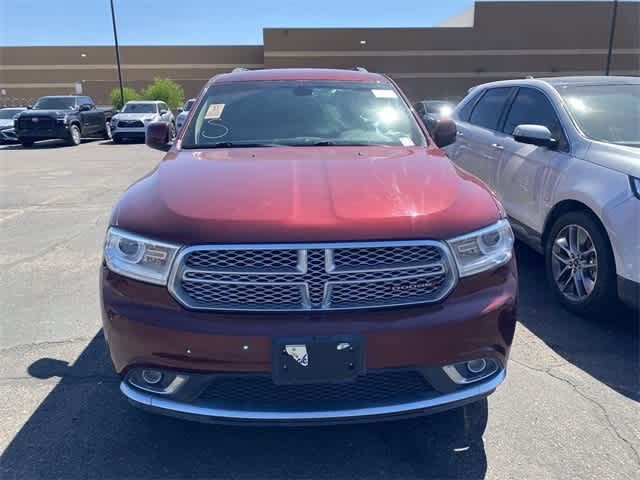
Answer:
(606, 348)
(85, 429)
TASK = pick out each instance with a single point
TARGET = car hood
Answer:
(134, 116)
(6, 123)
(305, 194)
(624, 159)
(45, 113)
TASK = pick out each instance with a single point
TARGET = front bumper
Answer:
(202, 412)
(138, 133)
(145, 326)
(57, 132)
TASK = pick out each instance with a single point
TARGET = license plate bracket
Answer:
(335, 359)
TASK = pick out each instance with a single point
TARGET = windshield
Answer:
(300, 113)
(55, 103)
(139, 108)
(9, 113)
(608, 113)
(188, 104)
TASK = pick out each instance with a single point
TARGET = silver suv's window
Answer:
(532, 107)
(608, 113)
(489, 108)
(301, 113)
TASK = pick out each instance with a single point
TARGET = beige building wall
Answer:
(493, 40)
(30, 72)
(507, 40)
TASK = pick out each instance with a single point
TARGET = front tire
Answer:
(580, 265)
(74, 136)
(107, 131)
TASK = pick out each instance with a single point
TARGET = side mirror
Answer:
(84, 108)
(158, 136)
(444, 132)
(162, 112)
(180, 110)
(534, 135)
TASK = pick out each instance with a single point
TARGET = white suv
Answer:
(132, 121)
(563, 156)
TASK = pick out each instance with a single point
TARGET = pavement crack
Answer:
(593, 401)
(45, 344)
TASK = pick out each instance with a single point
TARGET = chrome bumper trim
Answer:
(168, 406)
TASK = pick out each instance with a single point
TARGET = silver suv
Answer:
(563, 156)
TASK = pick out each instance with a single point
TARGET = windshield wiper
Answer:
(237, 145)
(329, 143)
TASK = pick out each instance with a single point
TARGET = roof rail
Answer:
(361, 69)
(239, 69)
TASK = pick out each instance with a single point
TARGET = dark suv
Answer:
(305, 252)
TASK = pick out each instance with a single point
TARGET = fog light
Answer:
(162, 382)
(477, 366)
(152, 377)
(472, 370)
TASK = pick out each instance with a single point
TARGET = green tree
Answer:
(129, 94)
(165, 90)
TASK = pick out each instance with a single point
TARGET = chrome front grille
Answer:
(312, 277)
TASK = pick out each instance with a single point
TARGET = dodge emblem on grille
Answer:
(298, 353)
(413, 286)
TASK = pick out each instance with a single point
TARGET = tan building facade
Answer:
(492, 40)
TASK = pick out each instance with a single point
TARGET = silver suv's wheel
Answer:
(574, 262)
(580, 264)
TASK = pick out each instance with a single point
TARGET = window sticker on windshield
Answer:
(387, 93)
(214, 112)
(406, 142)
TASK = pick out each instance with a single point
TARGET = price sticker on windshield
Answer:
(386, 93)
(214, 112)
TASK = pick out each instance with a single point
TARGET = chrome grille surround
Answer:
(307, 277)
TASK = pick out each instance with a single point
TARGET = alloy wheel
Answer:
(574, 263)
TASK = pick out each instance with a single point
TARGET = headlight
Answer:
(137, 257)
(148, 119)
(635, 186)
(114, 122)
(62, 117)
(483, 249)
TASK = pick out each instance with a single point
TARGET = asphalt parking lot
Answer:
(569, 408)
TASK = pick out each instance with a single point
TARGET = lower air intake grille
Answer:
(258, 392)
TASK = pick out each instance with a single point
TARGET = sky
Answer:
(202, 22)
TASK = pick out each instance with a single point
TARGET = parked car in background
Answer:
(182, 116)
(433, 110)
(563, 156)
(7, 119)
(132, 121)
(70, 118)
(306, 253)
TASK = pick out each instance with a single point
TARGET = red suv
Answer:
(305, 252)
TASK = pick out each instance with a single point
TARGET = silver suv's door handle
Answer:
(497, 146)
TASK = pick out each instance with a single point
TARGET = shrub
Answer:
(165, 90)
(129, 94)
